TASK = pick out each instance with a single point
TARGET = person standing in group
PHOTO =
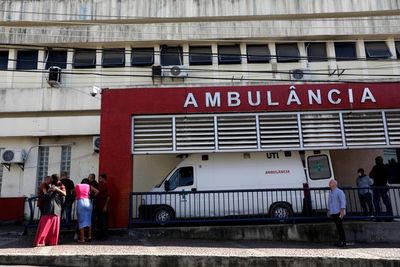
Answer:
(69, 198)
(42, 192)
(92, 180)
(49, 225)
(337, 210)
(84, 208)
(380, 175)
(102, 201)
(364, 192)
(95, 184)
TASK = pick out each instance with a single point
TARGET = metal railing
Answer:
(300, 204)
(34, 214)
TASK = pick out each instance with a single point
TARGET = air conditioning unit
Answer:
(175, 71)
(54, 76)
(300, 74)
(96, 143)
(9, 156)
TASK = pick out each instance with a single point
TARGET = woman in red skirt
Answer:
(49, 224)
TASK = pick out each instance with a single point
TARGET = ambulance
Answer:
(273, 184)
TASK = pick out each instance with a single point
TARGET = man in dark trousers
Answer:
(337, 210)
(95, 184)
(69, 198)
(380, 175)
(102, 200)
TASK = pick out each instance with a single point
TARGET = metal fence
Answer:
(34, 214)
(259, 205)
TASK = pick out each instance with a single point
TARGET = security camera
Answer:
(95, 90)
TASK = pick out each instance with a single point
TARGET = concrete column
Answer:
(243, 53)
(330, 53)
(157, 60)
(303, 55)
(41, 60)
(215, 66)
(185, 49)
(11, 66)
(128, 55)
(99, 56)
(360, 48)
(70, 58)
(392, 47)
(12, 59)
(41, 65)
(274, 61)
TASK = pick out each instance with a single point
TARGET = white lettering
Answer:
(250, 98)
(269, 100)
(190, 100)
(367, 95)
(233, 99)
(351, 99)
(213, 101)
(314, 97)
(293, 98)
(330, 96)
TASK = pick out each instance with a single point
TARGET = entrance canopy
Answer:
(244, 118)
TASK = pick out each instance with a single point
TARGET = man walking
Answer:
(337, 210)
(380, 175)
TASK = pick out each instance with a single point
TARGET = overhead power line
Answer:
(233, 77)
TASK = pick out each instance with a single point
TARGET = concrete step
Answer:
(356, 232)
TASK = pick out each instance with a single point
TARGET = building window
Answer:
(113, 58)
(377, 50)
(258, 54)
(1, 172)
(142, 56)
(57, 58)
(181, 177)
(65, 165)
(397, 44)
(171, 55)
(3, 60)
(318, 167)
(84, 59)
(316, 52)
(200, 55)
(345, 51)
(287, 53)
(27, 60)
(229, 54)
(42, 166)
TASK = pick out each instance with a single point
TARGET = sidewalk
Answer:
(123, 250)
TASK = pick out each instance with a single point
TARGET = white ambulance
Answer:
(240, 184)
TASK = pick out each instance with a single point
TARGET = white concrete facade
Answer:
(33, 113)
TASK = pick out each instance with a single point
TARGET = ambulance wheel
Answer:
(163, 214)
(280, 211)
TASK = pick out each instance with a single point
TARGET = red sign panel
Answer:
(299, 97)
